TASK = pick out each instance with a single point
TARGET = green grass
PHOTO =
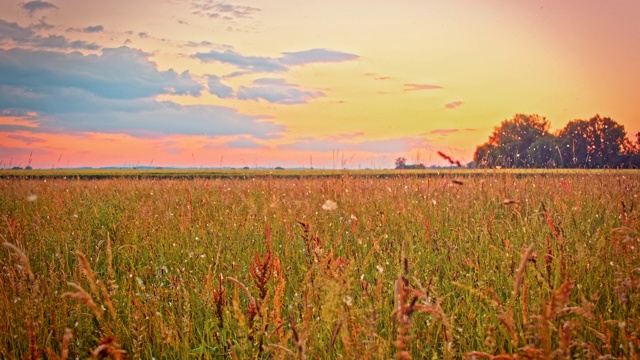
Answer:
(227, 173)
(251, 266)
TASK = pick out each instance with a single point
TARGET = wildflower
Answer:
(329, 205)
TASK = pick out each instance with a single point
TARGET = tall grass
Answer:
(496, 266)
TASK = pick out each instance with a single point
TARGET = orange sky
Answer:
(296, 84)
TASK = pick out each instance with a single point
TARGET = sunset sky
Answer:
(328, 84)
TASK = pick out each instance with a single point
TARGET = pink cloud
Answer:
(412, 87)
(443, 131)
(453, 105)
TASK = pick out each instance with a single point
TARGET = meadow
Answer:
(482, 265)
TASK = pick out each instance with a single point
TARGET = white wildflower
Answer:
(329, 205)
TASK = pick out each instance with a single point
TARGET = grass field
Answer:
(503, 265)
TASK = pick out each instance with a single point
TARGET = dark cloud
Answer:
(412, 87)
(217, 88)
(14, 32)
(315, 56)
(277, 91)
(453, 105)
(113, 92)
(279, 64)
(41, 25)
(93, 29)
(60, 42)
(27, 37)
(35, 6)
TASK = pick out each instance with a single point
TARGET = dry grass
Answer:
(282, 268)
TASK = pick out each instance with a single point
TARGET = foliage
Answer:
(524, 141)
(401, 164)
(510, 143)
(479, 264)
(596, 143)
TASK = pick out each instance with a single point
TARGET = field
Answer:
(503, 265)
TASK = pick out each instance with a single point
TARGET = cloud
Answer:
(270, 64)
(93, 29)
(118, 73)
(217, 88)
(13, 31)
(26, 37)
(35, 6)
(315, 56)
(453, 105)
(41, 25)
(253, 63)
(222, 10)
(25, 139)
(60, 42)
(444, 131)
(277, 91)
(113, 92)
(413, 87)
(201, 43)
(243, 143)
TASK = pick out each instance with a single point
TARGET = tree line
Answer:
(524, 141)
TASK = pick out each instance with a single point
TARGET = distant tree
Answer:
(509, 143)
(28, 167)
(544, 152)
(595, 143)
(633, 160)
(401, 163)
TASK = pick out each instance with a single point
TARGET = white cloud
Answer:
(217, 88)
(277, 91)
(114, 92)
(271, 64)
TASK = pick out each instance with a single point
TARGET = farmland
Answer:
(451, 264)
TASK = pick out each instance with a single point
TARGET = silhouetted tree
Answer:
(595, 143)
(509, 143)
(401, 163)
(544, 152)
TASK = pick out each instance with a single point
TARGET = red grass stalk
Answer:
(521, 272)
(261, 270)
(219, 298)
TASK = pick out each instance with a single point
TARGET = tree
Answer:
(595, 143)
(509, 143)
(544, 152)
(401, 163)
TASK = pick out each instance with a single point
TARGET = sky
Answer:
(323, 84)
